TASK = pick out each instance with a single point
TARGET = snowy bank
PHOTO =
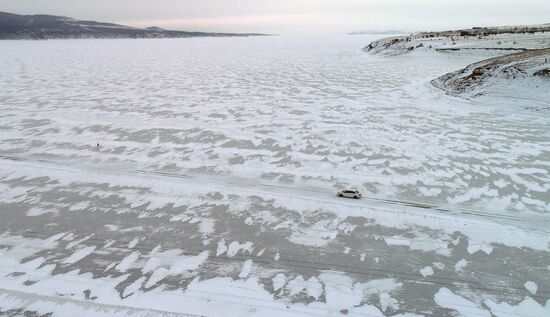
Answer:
(525, 74)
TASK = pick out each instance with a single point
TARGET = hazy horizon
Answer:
(294, 17)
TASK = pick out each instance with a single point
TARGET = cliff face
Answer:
(14, 26)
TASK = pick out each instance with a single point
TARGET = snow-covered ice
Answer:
(427, 271)
(446, 298)
(213, 189)
(531, 287)
(79, 255)
(460, 265)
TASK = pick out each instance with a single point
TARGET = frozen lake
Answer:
(312, 112)
(217, 167)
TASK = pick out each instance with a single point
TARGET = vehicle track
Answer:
(253, 186)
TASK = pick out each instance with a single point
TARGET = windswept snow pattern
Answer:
(352, 120)
(212, 191)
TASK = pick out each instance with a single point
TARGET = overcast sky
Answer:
(294, 16)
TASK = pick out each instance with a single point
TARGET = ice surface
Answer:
(79, 255)
(222, 248)
(401, 139)
(247, 267)
(38, 211)
(531, 287)
(446, 298)
(460, 265)
(529, 305)
(127, 261)
(188, 263)
(279, 281)
(427, 271)
(212, 191)
(234, 247)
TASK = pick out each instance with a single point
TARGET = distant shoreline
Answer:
(513, 57)
(46, 27)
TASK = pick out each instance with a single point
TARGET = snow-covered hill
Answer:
(525, 74)
(502, 38)
(15, 26)
(513, 61)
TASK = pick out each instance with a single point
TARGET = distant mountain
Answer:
(15, 26)
(378, 32)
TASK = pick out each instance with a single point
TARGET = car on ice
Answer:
(349, 193)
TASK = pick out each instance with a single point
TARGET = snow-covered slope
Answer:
(498, 43)
(513, 62)
(525, 74)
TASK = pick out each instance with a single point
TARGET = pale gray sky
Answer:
(294, 16)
